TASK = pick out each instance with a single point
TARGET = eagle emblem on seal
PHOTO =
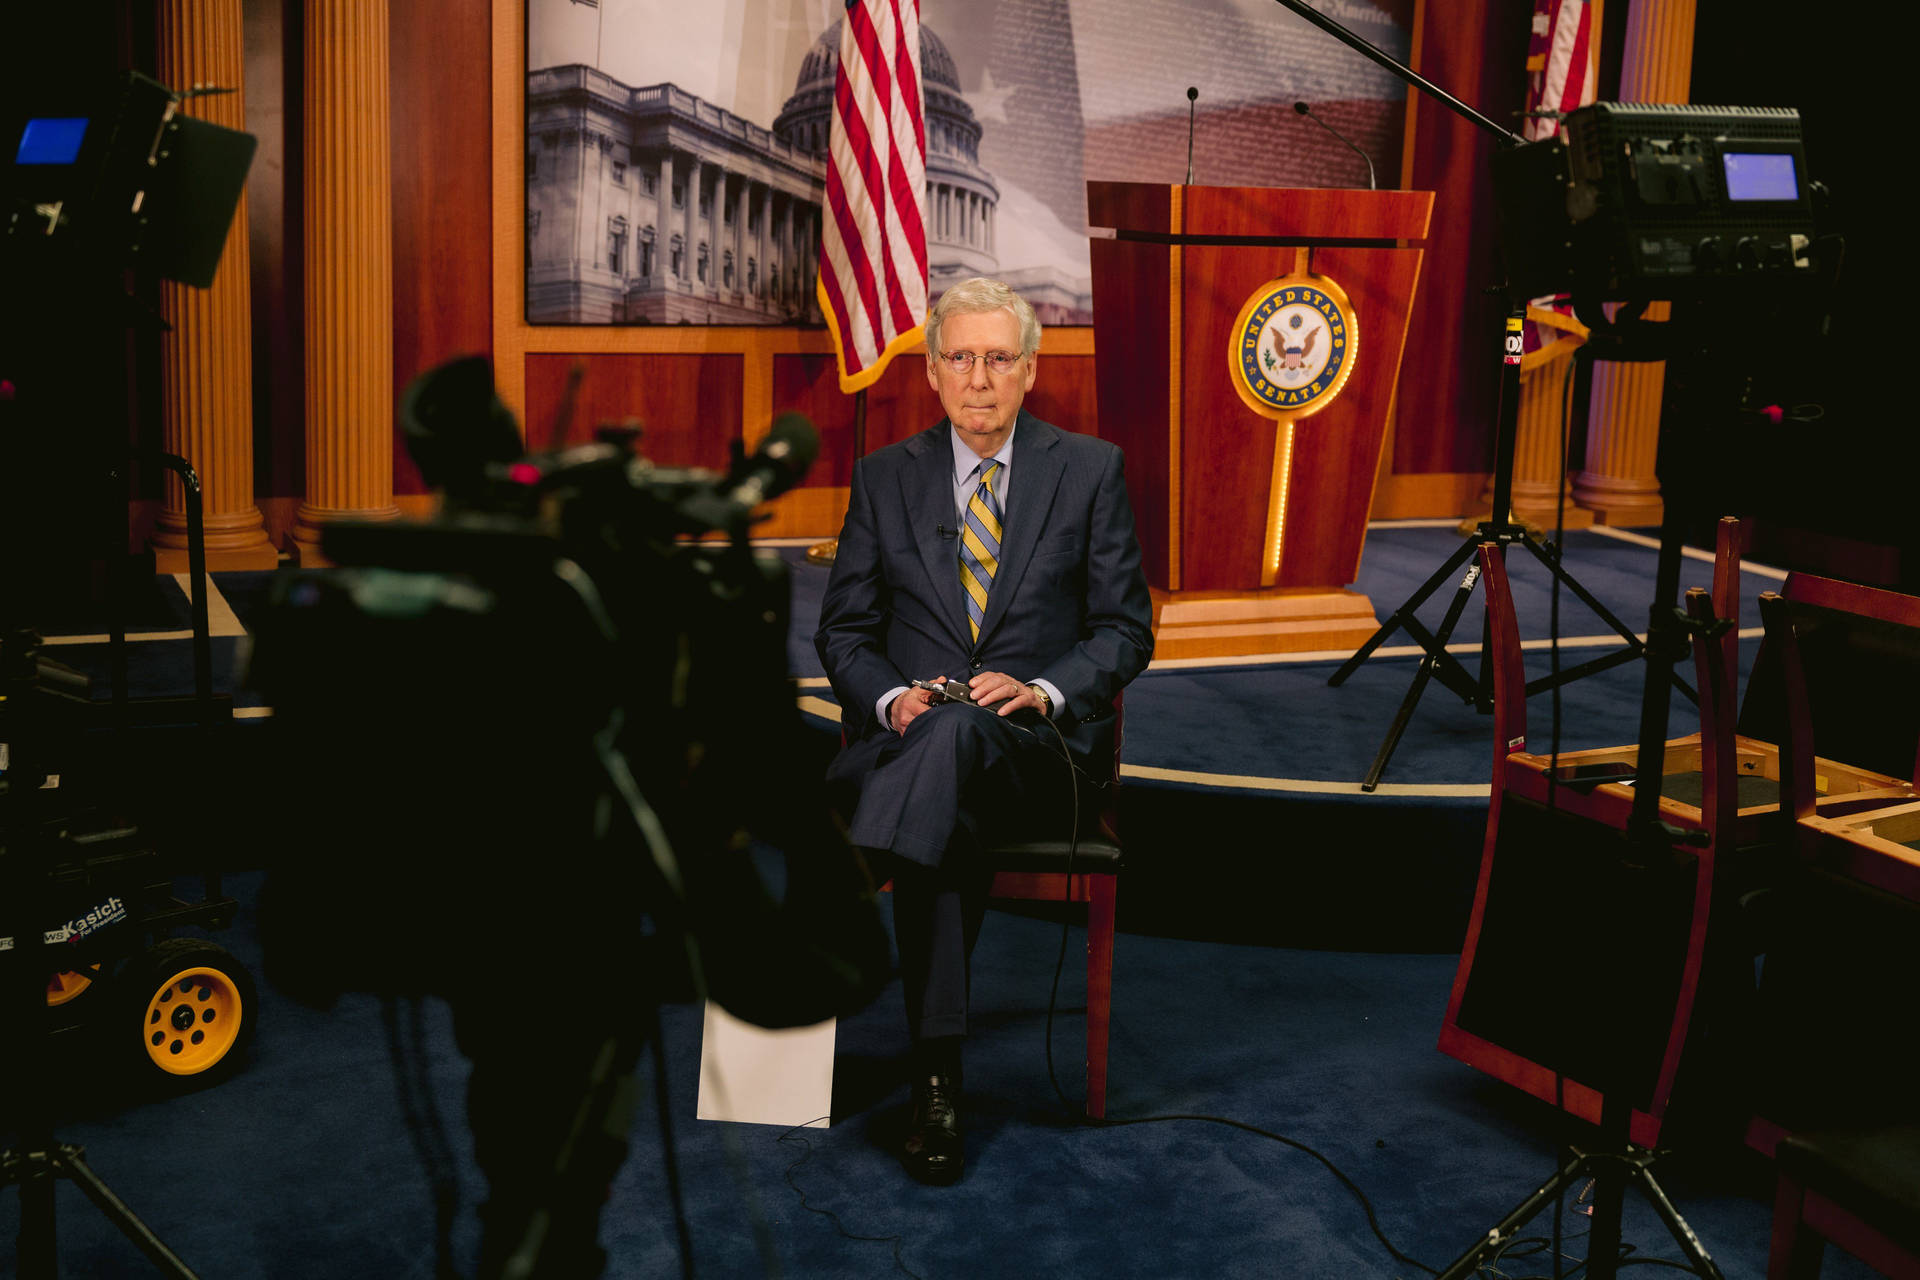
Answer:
(1291, 357)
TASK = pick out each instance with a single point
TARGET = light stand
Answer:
(1641, 202)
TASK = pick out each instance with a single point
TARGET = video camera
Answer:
(1647, 200)
(556, 721)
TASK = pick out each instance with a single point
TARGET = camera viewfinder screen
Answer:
(51, 140)
(1763, 175)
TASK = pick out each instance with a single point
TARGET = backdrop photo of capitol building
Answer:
(676, 153)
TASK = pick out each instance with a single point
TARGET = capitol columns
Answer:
(1618, 483)
(206, 371)
(348, 270)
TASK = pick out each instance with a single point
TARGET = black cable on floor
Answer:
(1366, 1205)
(838, 1226)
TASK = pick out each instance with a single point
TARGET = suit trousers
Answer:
(959, 779)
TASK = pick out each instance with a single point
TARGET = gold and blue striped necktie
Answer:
(980, 546)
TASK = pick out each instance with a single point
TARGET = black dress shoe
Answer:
(933, 1151)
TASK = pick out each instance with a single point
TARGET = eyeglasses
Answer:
(961, 362)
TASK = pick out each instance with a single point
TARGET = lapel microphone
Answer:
(945, 532)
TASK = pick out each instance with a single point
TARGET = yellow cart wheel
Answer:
(69, 985)
(192, 1006)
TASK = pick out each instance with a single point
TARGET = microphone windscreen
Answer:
(793, 439)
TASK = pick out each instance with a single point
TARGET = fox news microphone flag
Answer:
(873, 251)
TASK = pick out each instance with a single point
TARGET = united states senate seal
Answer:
(1293, 347)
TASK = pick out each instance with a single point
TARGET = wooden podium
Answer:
(1251, 496)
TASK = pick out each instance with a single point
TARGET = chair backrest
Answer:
(1715, 667)
(1841, 675)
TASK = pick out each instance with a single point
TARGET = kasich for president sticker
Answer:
(1294, 346)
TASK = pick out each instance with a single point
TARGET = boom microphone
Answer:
(778, 464)
(1307, 111)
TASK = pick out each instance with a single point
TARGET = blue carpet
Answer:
(301, 1166)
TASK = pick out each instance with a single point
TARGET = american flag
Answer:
(1559, 79)
(873, 253)
(1559, 63)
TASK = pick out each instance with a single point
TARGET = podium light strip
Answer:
(1277, 500)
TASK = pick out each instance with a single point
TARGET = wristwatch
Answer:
(1046, 703)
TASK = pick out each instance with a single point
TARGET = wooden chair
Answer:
(1859, 1190)
(1558, 882)
(1558, 875)
(1847, 930)
(1849, 653)
(1085, 870)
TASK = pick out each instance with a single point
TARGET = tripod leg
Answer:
(1404, 614)
(1634, 646)
(1468, 1264)
(35, 1243)
(74, 1166)
(1420, 679)
(1682, 1233)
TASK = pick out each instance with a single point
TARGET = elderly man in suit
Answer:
(994, 551)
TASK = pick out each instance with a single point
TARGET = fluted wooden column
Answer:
(1540, 483)
(348, 270)
(1623, 419)
(206, 369)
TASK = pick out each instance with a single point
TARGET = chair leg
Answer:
(1795, 1252)
(1103, 891)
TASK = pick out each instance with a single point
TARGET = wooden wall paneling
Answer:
(442, 194)
(1064, 393)
(688, 405)
(899, 403)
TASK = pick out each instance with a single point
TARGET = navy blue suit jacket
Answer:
(1069, 601)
